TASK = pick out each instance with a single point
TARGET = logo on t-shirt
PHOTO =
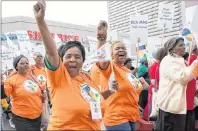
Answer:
(134, 81)
(31, 86)
(89, 93)
(42, 79)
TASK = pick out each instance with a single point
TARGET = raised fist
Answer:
(39, 10)
(102, 31)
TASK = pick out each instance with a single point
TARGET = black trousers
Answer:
(24, 124)
(143, 98)
(190, 121)
(196, 113)
(170, 122)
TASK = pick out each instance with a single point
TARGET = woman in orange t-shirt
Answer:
(26, 96)
(38, 70)
(75, 98)
(122, 109)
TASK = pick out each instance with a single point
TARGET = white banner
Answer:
(6, 59)
(92, 44)
(24, 41)
(101, 54)
(26, 47)
(113, 35)
(138, 31)
(194, 21)
(10, 44)
(154, 43)
(22, 36)
(40, 48)
(165, 15)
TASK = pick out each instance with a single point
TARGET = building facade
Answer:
(119, 13)
(64, 31)
(119, 16)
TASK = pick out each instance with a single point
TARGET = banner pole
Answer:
(137, 55)
(164, 27)
(190, 49)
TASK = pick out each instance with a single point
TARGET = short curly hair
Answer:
(63, 48)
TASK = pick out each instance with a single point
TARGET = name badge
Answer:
(134, 81)
(95, 111)
(93, 98)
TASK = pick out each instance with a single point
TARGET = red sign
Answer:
(35, 35)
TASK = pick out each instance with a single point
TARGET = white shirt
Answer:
(174, 77)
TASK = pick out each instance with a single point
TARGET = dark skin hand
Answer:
(134, 71)
(102, 27)
(108, 93)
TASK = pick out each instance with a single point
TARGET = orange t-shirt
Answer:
(70, 110)
(96, 74)
(122, 106)
(13, 73)
(26, 96)
(40, 75)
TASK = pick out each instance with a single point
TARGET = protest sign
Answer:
(138, 30)
(165, 15)
(138, 34)
(26, 47)
(92, 44)
(6, 59)
(194, 21)
(10, 44)
(24, 42)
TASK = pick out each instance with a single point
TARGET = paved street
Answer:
(6, 125)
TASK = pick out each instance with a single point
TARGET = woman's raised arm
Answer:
(50, 45)
(101, 37)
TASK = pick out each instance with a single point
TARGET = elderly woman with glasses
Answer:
(174, 77)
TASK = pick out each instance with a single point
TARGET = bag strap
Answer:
(35, 80)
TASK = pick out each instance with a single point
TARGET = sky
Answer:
(75, 12)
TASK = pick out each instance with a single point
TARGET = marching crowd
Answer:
(55, 94)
